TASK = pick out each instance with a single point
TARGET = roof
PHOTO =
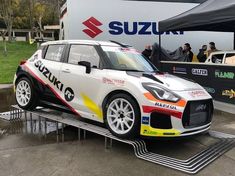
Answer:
(86, 42)
(212, 15)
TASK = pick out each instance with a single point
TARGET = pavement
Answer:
(5, 86)
(24, 153)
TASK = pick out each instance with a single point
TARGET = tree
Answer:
(39, 13)
(7, 8)
(31, 4)
(3, 35)
(29, 14)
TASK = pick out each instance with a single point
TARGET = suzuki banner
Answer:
(132, 22)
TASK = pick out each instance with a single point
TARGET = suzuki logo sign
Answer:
(92, 24)
(127, 28)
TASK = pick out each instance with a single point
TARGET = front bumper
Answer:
(153, 132)
(194, 119)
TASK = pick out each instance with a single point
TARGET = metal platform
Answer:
(192, 165)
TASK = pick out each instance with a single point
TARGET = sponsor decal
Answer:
(224, 75)
(68, 93)
(92, 25)
(150, 132)
(113, 81)
(49, 75)
(167, 106)
(107, 81)
(200, 72)
(201, 107)
(145, 120)
(197, 93)
(209, 90)
(129, 50)
(52, 89)
(150, 109)
(125, 27)
(229, 93)
(179, 70)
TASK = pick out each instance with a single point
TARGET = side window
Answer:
(84, 53)
(54, 52)
(217, 58)
(230, 59)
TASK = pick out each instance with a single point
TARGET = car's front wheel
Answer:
(122, 116)
(25, 94)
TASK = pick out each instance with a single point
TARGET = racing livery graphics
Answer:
(112, 83)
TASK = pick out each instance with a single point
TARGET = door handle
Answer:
(66, 71)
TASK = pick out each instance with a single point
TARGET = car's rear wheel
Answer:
(26, 97)
(122, 116)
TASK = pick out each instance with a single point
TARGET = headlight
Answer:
(161, 93)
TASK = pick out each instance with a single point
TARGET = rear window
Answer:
(54, 52)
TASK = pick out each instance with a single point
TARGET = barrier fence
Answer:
(218, 80)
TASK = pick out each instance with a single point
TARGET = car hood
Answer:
(169, 81)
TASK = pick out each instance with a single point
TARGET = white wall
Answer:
(119, 10)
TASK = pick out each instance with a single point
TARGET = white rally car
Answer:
(113, 84)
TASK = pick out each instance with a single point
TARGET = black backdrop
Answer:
(218, 80)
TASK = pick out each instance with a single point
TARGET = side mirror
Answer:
(87, 65)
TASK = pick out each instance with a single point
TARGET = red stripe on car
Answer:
(56, 94)
(149, 109)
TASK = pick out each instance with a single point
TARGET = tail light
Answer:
(22, 62)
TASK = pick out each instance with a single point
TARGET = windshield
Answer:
(127, 59)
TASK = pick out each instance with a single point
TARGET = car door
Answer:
(53, 58)
(48, 68)
(84, 87)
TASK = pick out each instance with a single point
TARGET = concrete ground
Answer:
(27, 154)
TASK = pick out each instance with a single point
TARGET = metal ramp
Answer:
(191, 166)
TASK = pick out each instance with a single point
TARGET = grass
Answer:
(17, 51)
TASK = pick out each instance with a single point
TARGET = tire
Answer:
(124, 121)
(25, 94)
